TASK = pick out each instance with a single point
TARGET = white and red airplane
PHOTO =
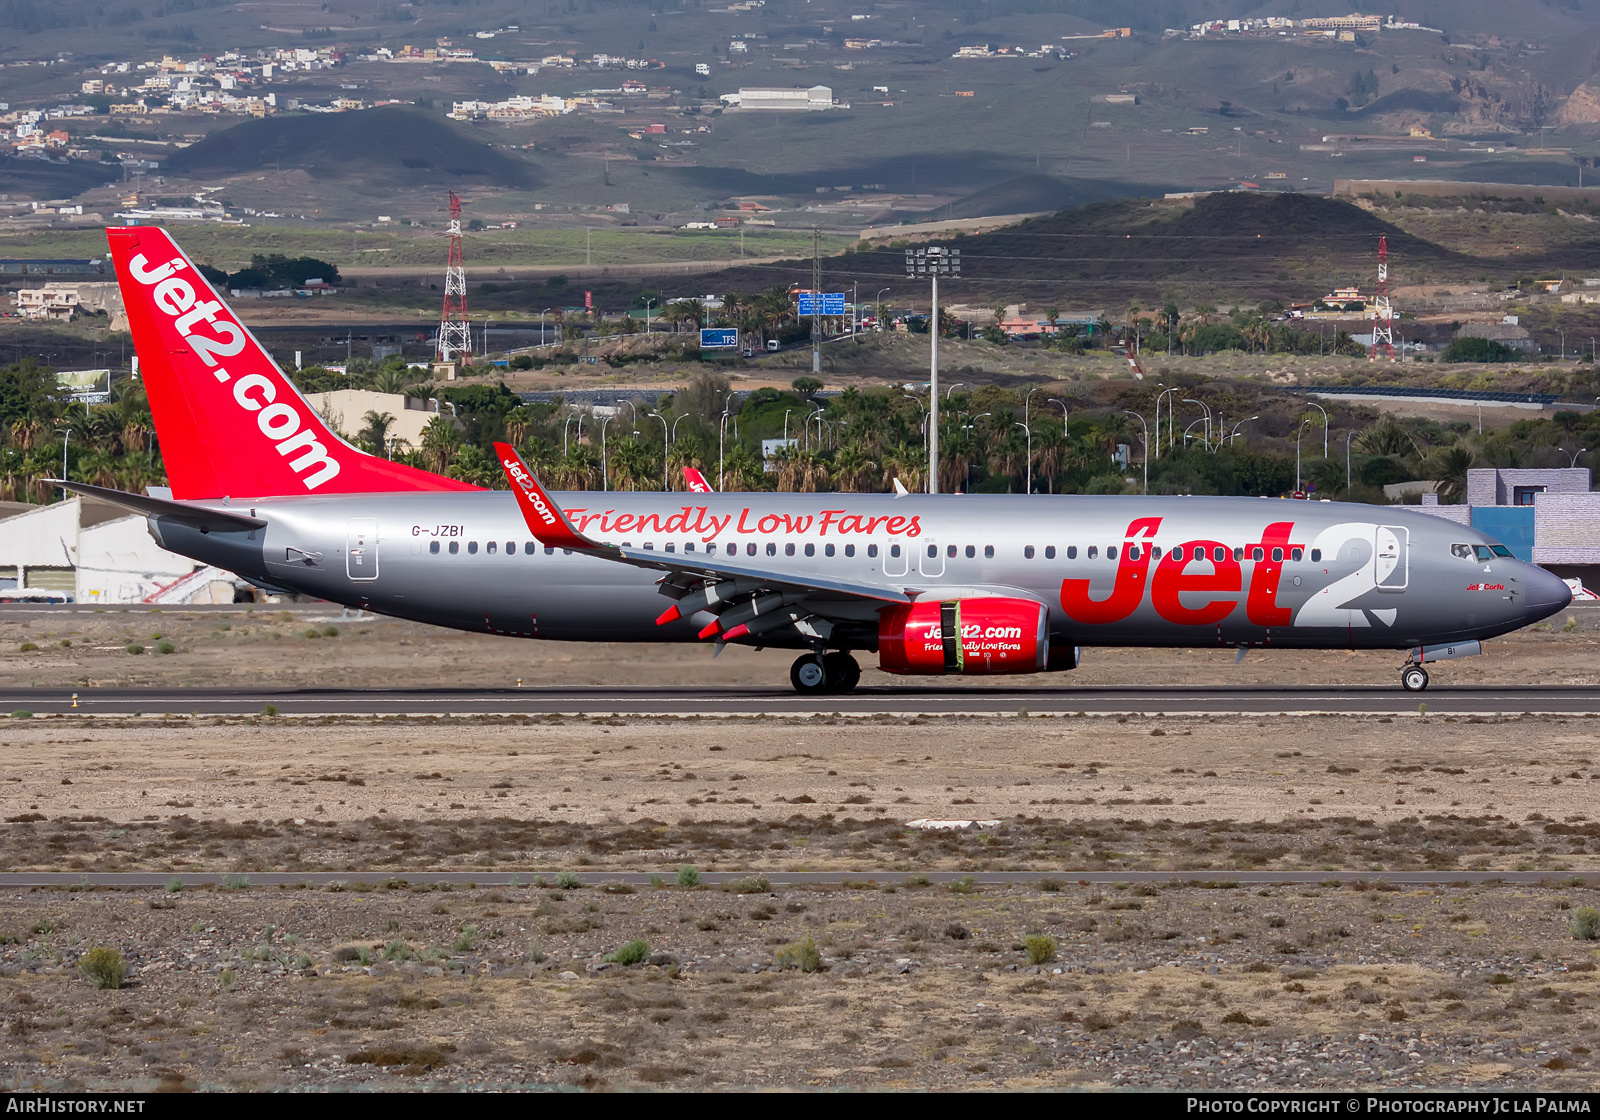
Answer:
(933, 584)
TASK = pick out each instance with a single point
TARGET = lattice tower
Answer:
(455, 333)
(1382, 309)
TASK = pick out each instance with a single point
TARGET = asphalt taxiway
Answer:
(1481, 700)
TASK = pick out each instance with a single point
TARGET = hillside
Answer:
(394, 144)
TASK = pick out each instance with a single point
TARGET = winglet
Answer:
(545, 519)
(900, 490)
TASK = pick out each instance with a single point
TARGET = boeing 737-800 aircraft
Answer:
(933, 584)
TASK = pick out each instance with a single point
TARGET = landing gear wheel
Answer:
(809, 675)
(843, 672)
(1413, 678)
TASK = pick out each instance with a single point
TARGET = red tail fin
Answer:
(229, 421)
(696, 481)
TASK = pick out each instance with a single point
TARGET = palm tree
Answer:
(1449, 468)
(742, 471)
(440, 442)
(374, 434)
(1387, 437)
(392, 379)
(854, 471)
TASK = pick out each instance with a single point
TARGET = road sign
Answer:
(719, 338)
(588, 301)
(832, 304)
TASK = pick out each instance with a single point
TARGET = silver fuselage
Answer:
(1365, 577)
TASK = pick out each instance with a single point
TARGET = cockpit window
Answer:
(1501, 550)
(1484, 552)
(1463, 551)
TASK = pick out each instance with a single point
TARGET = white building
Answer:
(345, 410)
(100, 553)
(816, 97)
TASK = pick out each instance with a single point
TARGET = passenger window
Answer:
(872, 551)
(511, 548)
(750, 549)
(1297, 555)
(827, 550)
(1050, 552)
(1133, 552)
(1094, 551)
(1072, 552)
(433, 547)
(933, 550)
(491, 548)
(894, 551)
(1259, 554)
(849, 550)
(788, 549)
(1277, 555)
(811, 549)
(1316, 555)
(1502, 550)
(1177, 555)
(971, 552)
(1111, 553)
(772, 548)
(1238, 554)
(649, 546)
(1219, 554)
(1155, 552)
(671, 547)
(951, 552)
(1027, 553)
(455, 547)
(988, 552)
(472, 548)
(549, 550)
(688, 546)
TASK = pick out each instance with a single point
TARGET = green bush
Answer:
(802, 955)
(164, 646)
(467, 940)
(22, 713)
(688, 875)
(330, 631)
(567, 880)
(1478, 350)
(1041, 949)
(632, 952)
(1586, 923)
(134, 647)
(755, 885)
(27, 647)
(104, 968)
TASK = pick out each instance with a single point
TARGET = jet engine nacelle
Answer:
(971, 636)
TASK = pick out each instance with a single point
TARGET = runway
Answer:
(1381, 700)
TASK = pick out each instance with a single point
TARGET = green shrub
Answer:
(1050, 885)
(1041, 949)
(22, 713)
(164, 646)
(536, 952)
(467, 940)
(104, 968)
(754, 885)
(633, 952)
(269, 710)
(27, 647)
(313, 633)
(965, 885)
(174, 885)
(568, 880)
(134, 647)
(330, 631)
(226, 979)
(688, 875)
(802, 955)
(1586, 923)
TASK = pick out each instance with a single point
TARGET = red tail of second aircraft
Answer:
(228, 420)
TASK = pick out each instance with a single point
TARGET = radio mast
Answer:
(1382, 310)
(455, 333)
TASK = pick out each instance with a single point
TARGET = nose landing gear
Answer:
(1413, 677)
(816, 675)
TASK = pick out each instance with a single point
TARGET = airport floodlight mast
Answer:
(1382, 309)
(933, 261)
(455, 333)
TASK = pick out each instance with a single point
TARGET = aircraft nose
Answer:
(1546, 594)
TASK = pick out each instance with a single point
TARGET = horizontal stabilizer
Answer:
(196, 517)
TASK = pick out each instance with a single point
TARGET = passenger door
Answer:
(895, 559)
(930, 561)
(1389, 557)
(361, 549)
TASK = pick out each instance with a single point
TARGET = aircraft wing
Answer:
(194, 516)
(748, 597)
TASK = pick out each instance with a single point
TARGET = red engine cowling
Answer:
(965, 636)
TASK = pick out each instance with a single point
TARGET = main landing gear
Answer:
(1413, 677)
(820, 674)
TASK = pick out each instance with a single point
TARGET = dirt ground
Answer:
(380, 984)
(1174, 987)
(274, 648)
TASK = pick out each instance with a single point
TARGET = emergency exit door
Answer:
(361, 549)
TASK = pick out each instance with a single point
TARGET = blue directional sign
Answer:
(832, 304)
(719, 338)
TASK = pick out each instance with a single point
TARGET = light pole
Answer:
(1324, 412)
(566, 426)
(647, 305)
(1563, 335)
(1146, 428)
(786, 426)
(1202, 404)
(605, 462)
(66, 436)
(877, 303)
(1347, 437)
(666, 480)
(1029, 432)
(933, 261)
(1064, 433)
(675, 424)
(1026, 401)
(631, 405)
(544, 338)
(1574, 455)
(722, 441)
(953, 388)
(1159, 395)
(1298, 433)
(1235, 433)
